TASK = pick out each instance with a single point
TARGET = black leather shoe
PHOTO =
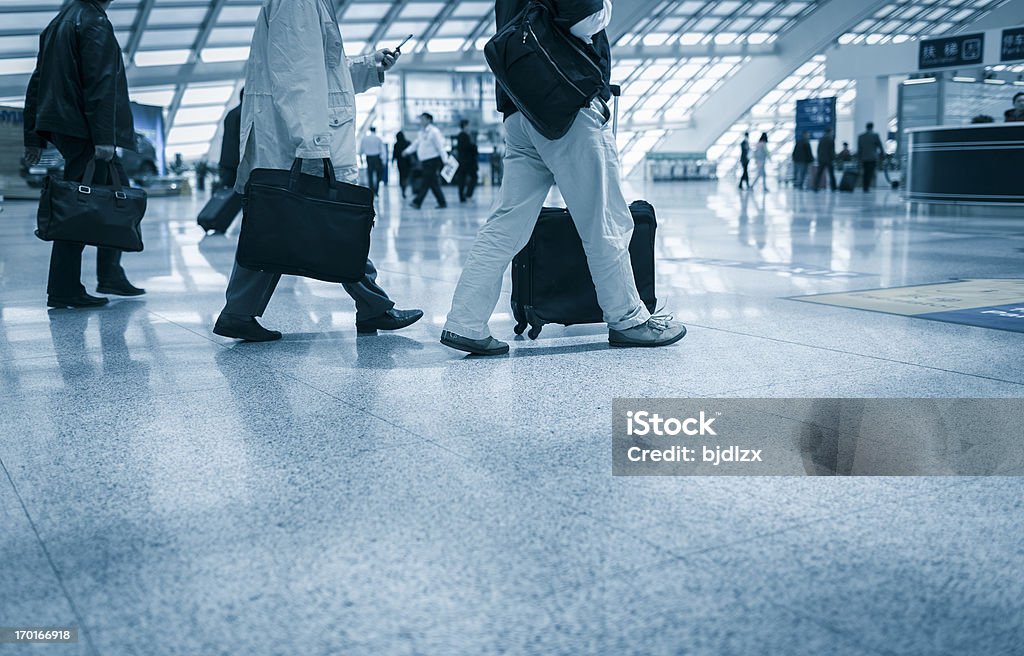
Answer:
(390, 320)
(247, 330)
(82, 300)
(119, 288)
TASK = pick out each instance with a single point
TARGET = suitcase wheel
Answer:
(520, 327)
(534, 332)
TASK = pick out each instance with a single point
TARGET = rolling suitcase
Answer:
(551, 280)
(222, 208)
(851, 173)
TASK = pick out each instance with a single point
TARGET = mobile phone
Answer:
(399, 48)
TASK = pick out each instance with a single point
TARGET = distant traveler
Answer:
(469, 168)
(745, 159)
(802, 159)
(77, 99)
(845, 155)
(430, 148)
(300, 103)
(1017, 113)
(826, 156)
(402, 161)
(761, 158)
(372, 148)
(230, 145)
(584, 163)
(869, 151)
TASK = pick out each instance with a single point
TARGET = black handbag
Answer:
(95, 215)
(306, 225)
(545, 71)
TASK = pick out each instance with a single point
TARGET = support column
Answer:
(872, 104)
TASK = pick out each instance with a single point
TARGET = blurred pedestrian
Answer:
(826, 157)
(869, 151)
(761, 158)
(402, 161)
(745, 159)
(802, 160)
(372, 149)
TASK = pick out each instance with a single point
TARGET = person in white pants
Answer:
(584, 164)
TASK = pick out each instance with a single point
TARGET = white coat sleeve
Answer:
(365, 73)
(298, 74)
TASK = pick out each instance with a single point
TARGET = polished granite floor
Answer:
(171, 492)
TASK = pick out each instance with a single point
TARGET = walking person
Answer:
(802, 160)
(430, 148)
(372, 149)
(745, 159)
(402, 161)
(869, 150)
(300, 103)
(826, 158)
(469, 168)
(761, 158)
(77, 99)
(584, 164)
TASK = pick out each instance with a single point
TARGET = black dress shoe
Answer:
(390, 320)
(119, 288)
(82, 300)
(248, 330)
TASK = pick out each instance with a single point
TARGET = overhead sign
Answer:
(815, 115)
(952, 51)
(1012, 46)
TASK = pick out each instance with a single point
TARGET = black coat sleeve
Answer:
(100, 64)
(32, 138)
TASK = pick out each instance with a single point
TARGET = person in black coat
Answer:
(803, 157)
(469, 168)
(402, 161)
(77, 99)
(826, 157)
(230, 145)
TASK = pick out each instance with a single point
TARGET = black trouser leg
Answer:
(831, 178)
(869, 175)
(431, 182)
(65, 270)
(746, 175)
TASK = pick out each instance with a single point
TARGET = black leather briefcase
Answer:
(306, 225)
(96, 215)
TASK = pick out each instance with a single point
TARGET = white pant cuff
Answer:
(463, 331)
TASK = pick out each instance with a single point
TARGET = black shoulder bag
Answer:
(546, 71)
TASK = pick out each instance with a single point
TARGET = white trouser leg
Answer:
(585, 165)
(525, 184)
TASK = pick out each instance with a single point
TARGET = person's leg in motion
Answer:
(110, 275)
(525, 184)
(420, 191)
(374, 309)
(585, 164)
(869, 175)
(247, 296)
(64, 287)
(434, 180)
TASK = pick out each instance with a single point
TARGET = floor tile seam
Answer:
(828, 626)
(729, 392)
(793, 527)
(862, 355)
(158, 395)
(90, 646)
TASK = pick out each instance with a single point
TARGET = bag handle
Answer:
(90, 175)
(293, 180)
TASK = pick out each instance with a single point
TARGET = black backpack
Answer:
(547, 73)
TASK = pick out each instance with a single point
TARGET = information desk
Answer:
(971, 164)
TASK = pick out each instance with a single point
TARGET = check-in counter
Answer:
(970, 165)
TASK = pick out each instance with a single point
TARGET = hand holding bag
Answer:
(306, 225)
(95, 215)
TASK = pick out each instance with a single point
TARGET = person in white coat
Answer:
(300, 103)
